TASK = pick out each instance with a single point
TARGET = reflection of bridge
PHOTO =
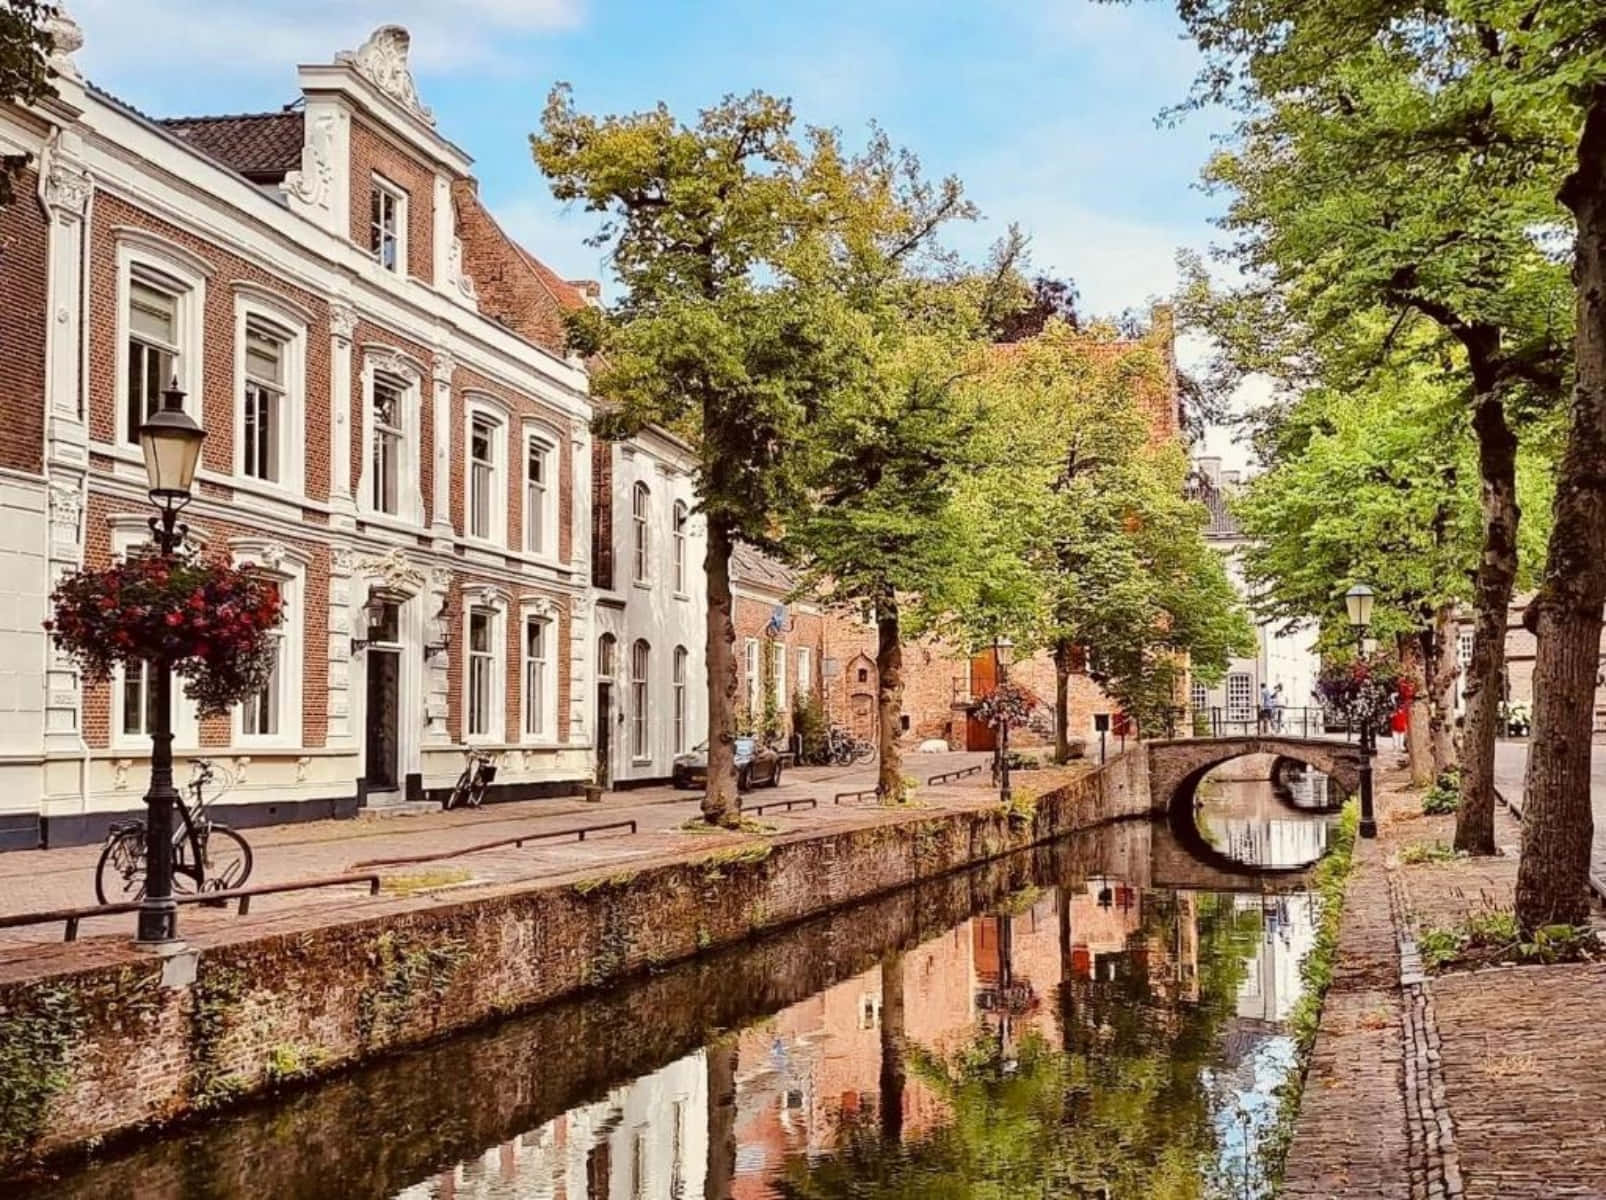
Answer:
(1176, 765)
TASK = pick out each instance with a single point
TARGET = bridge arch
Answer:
(1176, 765)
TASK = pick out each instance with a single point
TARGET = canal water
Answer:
(1102, 1017)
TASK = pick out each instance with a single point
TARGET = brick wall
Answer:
(369, 336)
(373, 154)
(107, 392)
(513, 287)
(24, 249)
(804, 630)
(513, 658)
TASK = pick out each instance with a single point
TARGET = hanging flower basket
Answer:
(1009, 705)
(211, 621)
(1364, 690)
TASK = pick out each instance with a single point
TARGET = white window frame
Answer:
(399, 198)
(778, 670)
(641, 534)
(640, 700)
(186, 724)
(805, 670)
(751, 661)
(478, 600)
(170, 268)
(677, 681)
(478, 410)
(1250, 706)
(405, 373)
(541, 670)
(288, 323)
(680, 520)
(1198, 695)
(541, 536)
(287, 568)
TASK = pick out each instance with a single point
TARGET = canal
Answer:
(1101, 1017)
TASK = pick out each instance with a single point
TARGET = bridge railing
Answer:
(1217, 721)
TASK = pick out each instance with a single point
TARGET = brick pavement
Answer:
(1487, 1084)
(1510, 763)
(31, 880)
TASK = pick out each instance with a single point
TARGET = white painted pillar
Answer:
(441, 514)
(582, 626)
(342, 325)
(343, 564)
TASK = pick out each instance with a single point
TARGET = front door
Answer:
(604, 735)
(384, 680)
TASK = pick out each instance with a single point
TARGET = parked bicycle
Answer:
(477, 776)
(844, 749)
(207, 856)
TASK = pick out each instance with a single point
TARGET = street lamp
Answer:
(1000, 646)
(171, 441)
(1358, 601)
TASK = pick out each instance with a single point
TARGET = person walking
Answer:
(1401, 720)
(1265, 707)
(1277, 705)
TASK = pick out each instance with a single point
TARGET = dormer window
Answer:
(387, 238)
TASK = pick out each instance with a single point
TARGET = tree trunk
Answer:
(1497, 572)
(1062, 701)
(722, 804)
(1417, 747)
(722, 1063)
(889, 700)
(1442, 665)
(893, 1071)
(1557, 821)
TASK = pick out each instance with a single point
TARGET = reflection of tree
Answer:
(1122, 1111)
(721, 1117)
(893, 1049)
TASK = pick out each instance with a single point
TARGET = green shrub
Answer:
(1021, 761)
(809, 723)
(1428, 852)
(1445, 794)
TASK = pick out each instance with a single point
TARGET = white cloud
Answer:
(252, 37)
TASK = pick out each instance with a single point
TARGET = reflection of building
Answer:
(1286, 657)
(1288, 930)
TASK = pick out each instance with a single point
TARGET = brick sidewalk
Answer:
(32, 880)
(1487, 1084)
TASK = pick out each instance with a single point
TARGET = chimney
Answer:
(590, 289)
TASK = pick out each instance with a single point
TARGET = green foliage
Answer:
(410, 976)
(769, 728)
(1494, 936)
(24, 77)
(810, 724)
(1445, 794)
(38, 1030)
(1428, 852)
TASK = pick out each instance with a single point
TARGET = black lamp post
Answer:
(1000, 645)
(171, 441)
(1358, 600)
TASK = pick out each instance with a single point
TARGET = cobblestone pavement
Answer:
(1487, 1084)
(32, 880)
(1511, 761)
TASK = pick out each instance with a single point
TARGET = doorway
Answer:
(604, 735)
(381, 762)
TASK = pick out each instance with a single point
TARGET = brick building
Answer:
(394, 435)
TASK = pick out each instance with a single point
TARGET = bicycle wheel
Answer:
(476, 791)
(227, 863)
(459, 792)
(120, 874)
(864, 752)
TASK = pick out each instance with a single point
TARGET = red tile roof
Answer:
(260, 146)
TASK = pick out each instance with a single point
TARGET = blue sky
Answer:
(1045, 108)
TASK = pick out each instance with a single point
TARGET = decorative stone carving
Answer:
(444, 365)
(344, 560)
(382, 60)
(66, 504)
(66, 38)
(120, 776)
(392, 362)
(267, 554)
(485, 596)
(460, 278)
(394, 571)
(312, 183)
(342, 321)
(242, 763)
(67, 187)
(302, 764)
(541, 606)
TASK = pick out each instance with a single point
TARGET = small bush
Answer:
(1021, 761)
(811, 727)
(1428, 852)
(1445, 794)
(1493, 936)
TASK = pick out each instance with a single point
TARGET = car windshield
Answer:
(744, 745)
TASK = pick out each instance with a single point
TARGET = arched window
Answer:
(607, 651)
(680, 547)
(679, 681)
(640, 501)
(640, 665)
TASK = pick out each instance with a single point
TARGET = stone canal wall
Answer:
(97, 1051)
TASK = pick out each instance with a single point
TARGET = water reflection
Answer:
(1101, 1017)
(1267, 812)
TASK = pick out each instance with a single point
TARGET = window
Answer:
(536, 690)
(259, 715)
(1240, 697)
(677, 1162)
(778, 673)
(265, 374)
(805, 665)
(537, 471)
(638, 1166)
(481, 671)
(679, 681)
(1464, 647)
(388, 226)
(482, 476)
(1198, 696)
(640, 664)
(153, 349)
(752, 674)
(680, 547)
(388, 444)
(640, 499)
(607, 648)
(136, 699)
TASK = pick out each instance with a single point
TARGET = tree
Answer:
(25, 40)
(1376, 166)
(1119, 578)
(729, 236)
(1050, 300)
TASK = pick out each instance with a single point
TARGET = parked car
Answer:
(756, 763)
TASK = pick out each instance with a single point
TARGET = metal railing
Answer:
(578, 832)
(1218, 722)
(788, 805)
(853, 797)
(72, 916)
(945, 776)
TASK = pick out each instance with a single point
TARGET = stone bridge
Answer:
(1176, 765)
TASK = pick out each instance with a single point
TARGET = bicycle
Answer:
(844, 749)
(207, 856)
(478, 775)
